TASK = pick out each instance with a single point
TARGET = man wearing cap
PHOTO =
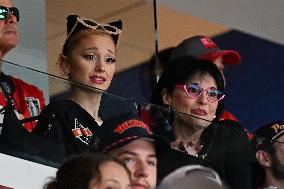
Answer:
(130, 140)
(268, 145)
(201, 47)
(16, 95)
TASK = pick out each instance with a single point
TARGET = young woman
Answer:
(88, 59)
(194, 90)
(91, 171)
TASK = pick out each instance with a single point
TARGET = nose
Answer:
(141, 170)
(100, 65)
(203, 98)
(11, 18)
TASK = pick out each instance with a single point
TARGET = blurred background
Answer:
(253, 28)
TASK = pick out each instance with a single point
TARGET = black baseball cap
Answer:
(201, 47)
(268, 133)
(125, 128)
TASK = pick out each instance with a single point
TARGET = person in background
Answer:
(268, 146)
(192, 177)
(88, 58)
(91, 171)
(201, 47)
(192, 92)
(130, 140)
(16, 95)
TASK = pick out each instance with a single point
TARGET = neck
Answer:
(186, 133)
(270, 180)
(90, 101)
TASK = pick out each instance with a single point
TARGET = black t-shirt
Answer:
(77, 128)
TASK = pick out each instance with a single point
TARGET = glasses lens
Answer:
(214, 95)
(15, 12)
(194, 90)
(90, 23)
(3, 12)
(110, 28)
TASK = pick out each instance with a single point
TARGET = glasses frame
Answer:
(184, 87)
(13, 10)
(98, 25)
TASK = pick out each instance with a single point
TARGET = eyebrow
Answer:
(96, 48)
(135, 154)
(112, 180)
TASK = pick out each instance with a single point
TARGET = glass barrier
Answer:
(222, 145)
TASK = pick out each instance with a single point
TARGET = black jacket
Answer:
(77, 128)
(225, 148)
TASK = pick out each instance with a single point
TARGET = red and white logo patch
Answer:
(208, 43)
(84, 134)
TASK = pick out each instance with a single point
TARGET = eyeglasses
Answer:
(194, 90)
(4, 12)
(95, 25)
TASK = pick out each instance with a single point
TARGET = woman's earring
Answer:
(214, 116)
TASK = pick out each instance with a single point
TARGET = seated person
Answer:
(130, 140)
(268, 146)
(193, 90)
(16, 95)
(89, 171)
(88, 58)
(192, 177)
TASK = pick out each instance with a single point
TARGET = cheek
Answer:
(280, 154)
(212, 109)
(110, 70)
(181, 103)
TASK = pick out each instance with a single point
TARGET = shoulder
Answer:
(226, 130)
(59, 105)
(19, 83)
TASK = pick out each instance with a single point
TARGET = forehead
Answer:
(281, 139)
(139, 147)
(105, 167)
(203, 79)
(6, 3)
(97, 39)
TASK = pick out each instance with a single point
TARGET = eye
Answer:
(90, 57)
(110, 187)
(193, 88)
(152, 163)
(128, 160)
(110, 60)
(214, 93)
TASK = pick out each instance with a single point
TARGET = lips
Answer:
(199, 112)
(139, 186)
(11, 28)
(98, 79)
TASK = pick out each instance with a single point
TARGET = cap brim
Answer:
(229, 56)
(161, 144)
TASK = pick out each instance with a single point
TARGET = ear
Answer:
(263, 158)
(64, 65)
(166, 97)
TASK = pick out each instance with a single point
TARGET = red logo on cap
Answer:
(132, 123)
(208, 43)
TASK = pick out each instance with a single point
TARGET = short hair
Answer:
(180, 71)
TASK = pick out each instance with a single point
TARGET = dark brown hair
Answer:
(77, 171)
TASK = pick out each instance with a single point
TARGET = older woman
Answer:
(194, 89)
(88, 59)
